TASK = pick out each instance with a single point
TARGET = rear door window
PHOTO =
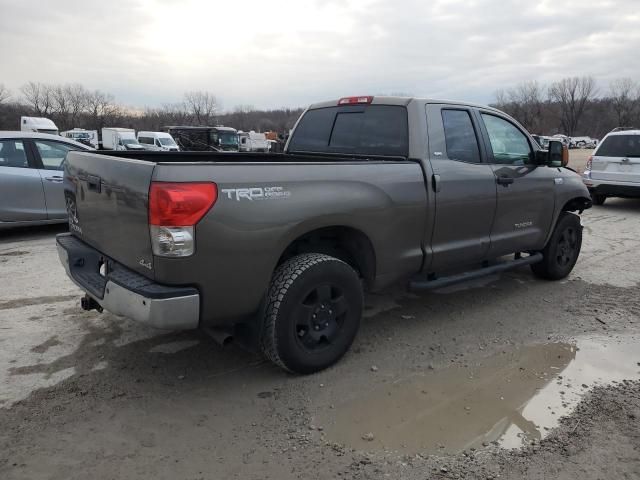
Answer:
(52, 153)
(460, 136)
(620, 146)
(361, 130)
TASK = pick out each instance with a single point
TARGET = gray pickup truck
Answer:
(370, 191)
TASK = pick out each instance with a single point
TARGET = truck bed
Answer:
(264, 203)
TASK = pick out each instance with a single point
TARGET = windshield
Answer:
(81, 135)
(620, 146)
(129, 141)
(167, 142)
(227, 138)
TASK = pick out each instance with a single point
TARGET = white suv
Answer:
(614, 168)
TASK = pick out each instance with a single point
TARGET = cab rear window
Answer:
(620, 146)
(360, 130)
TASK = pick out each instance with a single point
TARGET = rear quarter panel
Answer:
(240, 240)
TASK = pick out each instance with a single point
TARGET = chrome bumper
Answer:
(170, 312)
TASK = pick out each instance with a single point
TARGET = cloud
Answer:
(277, 53)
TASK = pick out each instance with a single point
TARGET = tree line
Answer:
(574, 106)
(74, 106)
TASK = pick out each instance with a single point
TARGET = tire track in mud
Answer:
(26, 302)
(609, 302)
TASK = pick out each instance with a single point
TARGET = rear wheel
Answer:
(598, 198)
(313, 313)
(561, 252)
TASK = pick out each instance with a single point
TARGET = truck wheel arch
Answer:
(578, 204)
(345, 243)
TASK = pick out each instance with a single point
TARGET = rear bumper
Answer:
(124, 292)
(614, 189)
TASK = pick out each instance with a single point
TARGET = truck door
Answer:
(526, 192)
(21, 194)
(464, 186)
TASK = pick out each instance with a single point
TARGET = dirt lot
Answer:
(507, 377)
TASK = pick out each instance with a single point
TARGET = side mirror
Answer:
(557, 154)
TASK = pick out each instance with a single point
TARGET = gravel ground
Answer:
(436, 385)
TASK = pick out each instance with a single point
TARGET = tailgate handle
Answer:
(94, 183)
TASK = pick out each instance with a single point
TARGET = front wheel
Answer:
(561, 252)
(313, 313)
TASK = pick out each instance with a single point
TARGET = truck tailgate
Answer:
(107, 198)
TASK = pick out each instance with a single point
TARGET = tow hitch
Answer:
(88, 303)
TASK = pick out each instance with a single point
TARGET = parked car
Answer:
(566, 141)
(157, 142)
(38, 124)
(31, 190)
(120, 139)
(543, 141)
(583, 142)
(370, 191)
(614, 168)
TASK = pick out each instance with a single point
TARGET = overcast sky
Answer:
(272, 53)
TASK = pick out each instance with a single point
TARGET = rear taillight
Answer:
(174, 210)
(355, 100)
(589, 163)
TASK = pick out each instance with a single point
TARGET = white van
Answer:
(157, 141)
(38, 124)
(120, 139)
(253, 142)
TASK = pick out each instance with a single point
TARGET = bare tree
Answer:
(61, 106)
(77, 97)
(101, 107)
(38, 96)
(202, 106)
(5, 94)
(624, 94)
(501, 98)
(572, 96)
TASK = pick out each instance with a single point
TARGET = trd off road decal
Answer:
(256, 193)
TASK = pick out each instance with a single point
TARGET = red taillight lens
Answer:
(180, 204)
(354, 100)
(589, 163)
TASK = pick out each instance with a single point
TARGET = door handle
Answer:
(435, 183)
(55, 178)
(94, 183)
(506, 181)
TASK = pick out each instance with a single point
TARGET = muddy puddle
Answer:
(509, 398)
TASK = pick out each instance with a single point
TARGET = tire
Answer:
(562, 250)
(598, 198)
(312, 314)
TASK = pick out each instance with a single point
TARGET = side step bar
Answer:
(473, 274)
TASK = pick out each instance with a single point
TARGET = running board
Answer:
(473, 274)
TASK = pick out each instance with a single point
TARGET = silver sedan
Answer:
(31, 190)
